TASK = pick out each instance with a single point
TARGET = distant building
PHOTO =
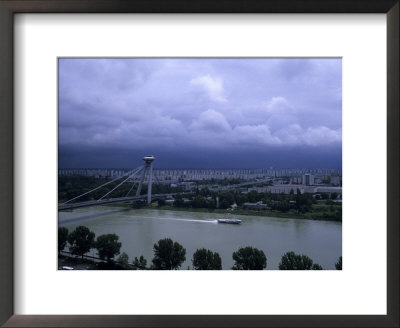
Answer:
(285, 189)
(308, 179)
(187, 185)
(258, 189)
(328, 189)
(296, 180)
(256, 206)
(335, 180)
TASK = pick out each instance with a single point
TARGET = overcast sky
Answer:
(200, 113)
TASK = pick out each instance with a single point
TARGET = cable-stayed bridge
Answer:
(148, 166)
(130, 177)
(70, 206)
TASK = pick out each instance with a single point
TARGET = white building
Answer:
(308, 179)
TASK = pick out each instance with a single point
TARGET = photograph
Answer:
(199, 147)
(199, 163)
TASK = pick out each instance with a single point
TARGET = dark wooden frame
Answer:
(7, 10)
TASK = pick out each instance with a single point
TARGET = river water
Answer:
(139, 229)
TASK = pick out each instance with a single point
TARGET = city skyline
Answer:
(200, 113)
(320, 175)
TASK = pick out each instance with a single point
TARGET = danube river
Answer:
(139, 229)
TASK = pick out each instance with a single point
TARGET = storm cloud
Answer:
(197, 112)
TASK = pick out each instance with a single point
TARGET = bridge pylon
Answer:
(148, 166)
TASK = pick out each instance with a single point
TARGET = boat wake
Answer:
(170, 219)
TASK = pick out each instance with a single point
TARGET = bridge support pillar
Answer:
(139, 189)
(150, 183)
(148, 165)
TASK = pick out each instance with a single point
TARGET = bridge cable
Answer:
(132, 175)
(88, 192)
(155, 176)
(133, 184)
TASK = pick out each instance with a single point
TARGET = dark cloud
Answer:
(200, 110)
(304, 157)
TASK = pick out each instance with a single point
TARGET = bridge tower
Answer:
(148, 166)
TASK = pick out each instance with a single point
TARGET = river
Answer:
(139, 229)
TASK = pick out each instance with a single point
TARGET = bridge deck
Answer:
(70, 206)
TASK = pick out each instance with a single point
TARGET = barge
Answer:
(230, 221)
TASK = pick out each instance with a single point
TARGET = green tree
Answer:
(252, 196)
(204, 259)
(108, 246)
(338, 264)
(179, 202)
(140, 264)
(62, 238)
(324, 195)
(283, 206)
(226, 197)
(316, 266)
(223, 204)
(303, 202)
(81, 240)
(293, 261)
(168, 255)
(249, 258)
(240, 199)
(123, 259)
(199, 202)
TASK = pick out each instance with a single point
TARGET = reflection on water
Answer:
(139, 229)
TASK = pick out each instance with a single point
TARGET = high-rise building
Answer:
(308, 179)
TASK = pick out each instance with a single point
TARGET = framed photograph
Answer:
(228, 135)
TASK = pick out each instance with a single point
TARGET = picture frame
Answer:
(10, 7)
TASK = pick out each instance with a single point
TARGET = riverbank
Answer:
(87, 262)
(316, 214)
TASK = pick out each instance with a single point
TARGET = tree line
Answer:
(170, 255)
(295, 200)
